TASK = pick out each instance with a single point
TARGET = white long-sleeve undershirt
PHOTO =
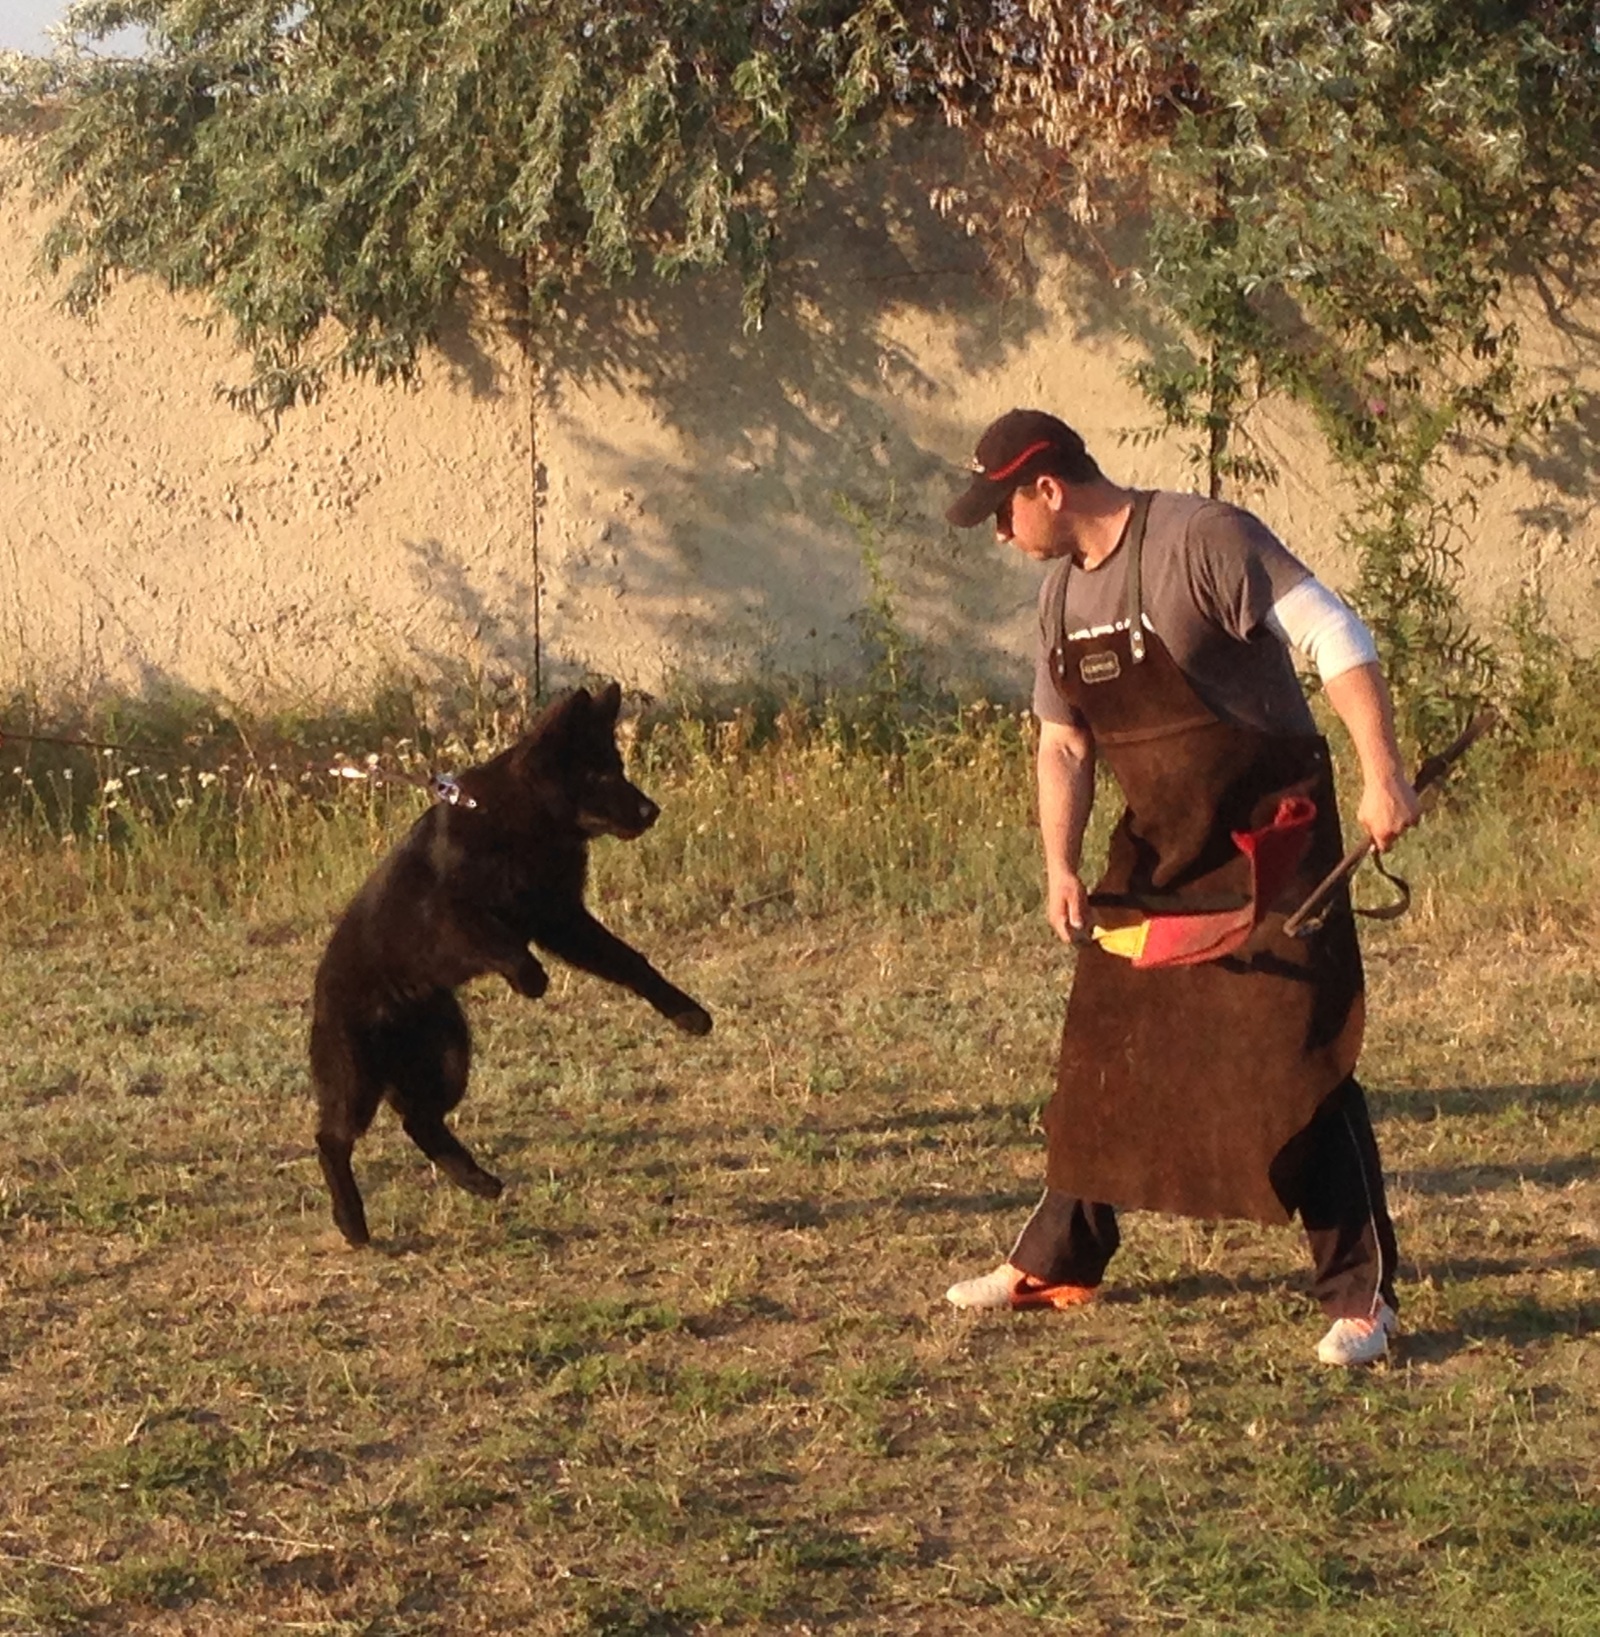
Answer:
(1322, 626)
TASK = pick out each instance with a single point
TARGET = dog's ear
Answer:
(608, 705)
(548, 735)
(560, 717)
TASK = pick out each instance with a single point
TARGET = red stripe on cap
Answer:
(1011, 466)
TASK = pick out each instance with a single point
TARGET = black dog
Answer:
(464, 894)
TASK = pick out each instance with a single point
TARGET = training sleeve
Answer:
(1323, 627)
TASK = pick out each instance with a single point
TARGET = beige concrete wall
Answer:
(691, 484)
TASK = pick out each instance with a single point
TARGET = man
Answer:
(1220, 1087)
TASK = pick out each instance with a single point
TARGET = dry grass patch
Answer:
(693, 1371)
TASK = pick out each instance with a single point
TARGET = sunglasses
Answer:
(1002, 517)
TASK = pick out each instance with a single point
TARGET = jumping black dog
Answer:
(462, 895)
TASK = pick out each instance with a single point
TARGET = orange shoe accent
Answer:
(1030, 1293)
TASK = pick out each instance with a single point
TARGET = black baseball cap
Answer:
(1022, 445)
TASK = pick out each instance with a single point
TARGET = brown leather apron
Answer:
(1182, 1089)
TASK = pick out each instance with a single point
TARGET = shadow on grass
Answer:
(1462, 1269)
(908, 1121)
(737, 1312)
(1463, 1181)
(928, 1119)
(1522, 1324)
(1198, 1287)
(1435, 1103)
(811, 1213)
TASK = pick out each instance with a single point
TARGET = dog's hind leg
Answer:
(347, 1098)
(348, 1213)
(427, 1078)
(441, 1145)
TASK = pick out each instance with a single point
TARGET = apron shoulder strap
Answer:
(1055, 618)
(1137, 520)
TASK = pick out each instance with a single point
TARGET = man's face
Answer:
(1030, 519)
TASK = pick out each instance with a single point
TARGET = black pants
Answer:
(1342, 1209)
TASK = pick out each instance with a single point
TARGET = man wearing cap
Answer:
(1216, 1085)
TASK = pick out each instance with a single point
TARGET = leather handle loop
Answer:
(1307, 919)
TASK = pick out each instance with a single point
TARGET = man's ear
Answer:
(1052, 491)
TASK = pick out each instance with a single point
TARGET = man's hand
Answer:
(1389, 807)
(1067, 906)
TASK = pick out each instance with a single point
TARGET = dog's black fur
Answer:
(464, 894)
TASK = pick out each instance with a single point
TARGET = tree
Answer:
(1337, 194)
(1336, 191)
(303, 161)
(336, 174)
(1340, 197)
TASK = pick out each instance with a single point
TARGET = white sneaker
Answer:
(987, 1290)
(1359, 1341)
(1009, 1286)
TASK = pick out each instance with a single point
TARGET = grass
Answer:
(692, 1373)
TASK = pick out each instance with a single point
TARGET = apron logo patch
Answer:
(1100, 667)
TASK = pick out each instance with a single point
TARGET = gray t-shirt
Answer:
(1210, 574)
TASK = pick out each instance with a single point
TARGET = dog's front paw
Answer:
(692, 1019)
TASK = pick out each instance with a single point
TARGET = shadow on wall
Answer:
(711, 499)
(481, 625)
(1564, 455)
(1563, 459)
(1560, 457)
(78, 669)
(725, 507)
(718, 505)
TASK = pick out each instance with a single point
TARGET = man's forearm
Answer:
(1388, 803)
(1360, 697)
(1066, 795)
